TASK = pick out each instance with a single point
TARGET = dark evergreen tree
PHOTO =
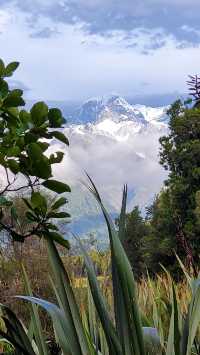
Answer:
(160, 243)
(180, 155)
(135, 232)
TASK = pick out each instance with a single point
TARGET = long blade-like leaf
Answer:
(121, 316)
(60, 323)
(109, 330)
(127, 283)
(37, 327)
(67, 299)
(15, 332)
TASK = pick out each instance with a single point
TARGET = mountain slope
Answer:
(117, 107)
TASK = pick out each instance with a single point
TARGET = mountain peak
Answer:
(113, 106)
(103, 100)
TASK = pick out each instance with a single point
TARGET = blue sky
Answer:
(75, 49)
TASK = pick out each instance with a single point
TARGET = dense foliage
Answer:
(136, 231)
(180, 155)
(173, 218)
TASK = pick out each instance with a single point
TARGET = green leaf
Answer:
(51, 226)
(13, 165)
(14, 214)
(61, 325)
(13, 151)
(187, 276)
(2, 159)
(134, 338)
(39, 201)
(2, 67)
(58, 215)
(27, 203)
(175, 312)
(5, 202)
(60, 136)
(57, 238)
(31, 138)
(56, 186)
(14, 99)
(34, 151)
(67, 301)
(194, 316)
(3, 88)
(37, 327)
(39, 113)
(20, 142)
(44, 146)
(101, 307)
(16, 92)
(59, 203)
(55, 159)
(31, 217)
(16, 334)
(55, 118)
(14, 112)
(40, 163)
(25, 118)
(10, 68)
(42, 168)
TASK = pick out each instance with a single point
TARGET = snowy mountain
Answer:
(118, 108)
(113, 116)
(116, 143)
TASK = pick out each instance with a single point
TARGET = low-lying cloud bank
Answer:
(112, 163)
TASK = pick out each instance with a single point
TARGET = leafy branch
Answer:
(24, 140)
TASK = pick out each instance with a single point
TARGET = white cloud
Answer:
(5, 19)
(112, 163)
(74, 64)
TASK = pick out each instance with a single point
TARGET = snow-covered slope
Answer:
(119, 109)
(116, 143)
(114, 117)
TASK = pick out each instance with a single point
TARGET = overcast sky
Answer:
(74, 49)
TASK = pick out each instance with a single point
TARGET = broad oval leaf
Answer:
(60, 136)
(59, 203)
(34, 151)
(39, 113)
(13, 166)
(56, 186)
(55, 118)
(39, 201)
(10, 68)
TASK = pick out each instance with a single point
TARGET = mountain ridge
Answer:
(95, 109)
